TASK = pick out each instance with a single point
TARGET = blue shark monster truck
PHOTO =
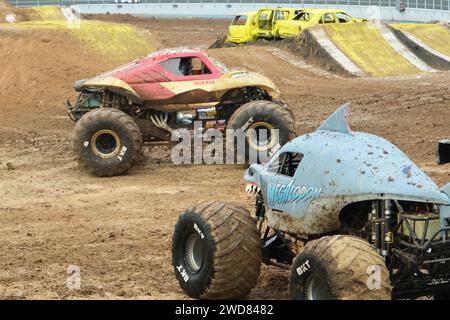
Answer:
(350, 213)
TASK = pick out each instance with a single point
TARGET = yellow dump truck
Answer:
(279, 23)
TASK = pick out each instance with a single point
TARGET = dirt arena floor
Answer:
(118, 230)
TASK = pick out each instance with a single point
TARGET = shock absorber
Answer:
(381, 216)
(377, 219)
(387, 234)
(260, 210)
(379, 241)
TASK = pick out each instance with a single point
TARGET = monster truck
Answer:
(350, 213)
(147, 99)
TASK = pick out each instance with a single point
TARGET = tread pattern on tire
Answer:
(237, 257)
(284, 119)
(106, 113)
(281, 111)
(347, 259)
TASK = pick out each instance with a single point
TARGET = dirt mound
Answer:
(356, 49)
(39, 68)
(42, 54)
(307, 47)
(118, 42)
(45, 58)
(221, 42)
(435, 36)
(45, 13)
(7, 9)
(175, 32)
(29, 14)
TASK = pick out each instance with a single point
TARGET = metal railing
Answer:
(414, 4)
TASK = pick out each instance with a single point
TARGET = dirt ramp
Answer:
(430, 42)
(113, 41)
(312, 48)
(40, 60)
(7, 9)
(358, 49)
(436, 36)
(29, 14)
(365, 45)
(44, 13)
(38, 70)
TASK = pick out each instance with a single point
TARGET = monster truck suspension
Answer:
(113, 100)
(86, 102)
(278, 249)
(253, 93)
(419, 260)
(410, 238)
(89, 100)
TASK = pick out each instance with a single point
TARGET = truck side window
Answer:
(187, 66)
(286, 164)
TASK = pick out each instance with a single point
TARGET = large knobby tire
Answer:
(216, 251)
(106, 142)
(254, 116)
(339, 267)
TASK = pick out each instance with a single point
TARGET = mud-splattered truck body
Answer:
(150, 99)
(332, 168)
(348, 212)
(336, 180)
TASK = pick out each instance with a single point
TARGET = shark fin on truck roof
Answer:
(338, 121)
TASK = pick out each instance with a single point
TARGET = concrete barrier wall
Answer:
(230, 9)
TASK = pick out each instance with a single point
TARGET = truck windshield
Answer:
(221, 66)
(239, 20)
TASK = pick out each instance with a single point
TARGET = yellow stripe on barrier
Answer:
(364, 45)
(435, 36)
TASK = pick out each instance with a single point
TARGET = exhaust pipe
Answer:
(160, 121)
(443, 151)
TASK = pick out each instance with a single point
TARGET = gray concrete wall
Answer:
(230, 9)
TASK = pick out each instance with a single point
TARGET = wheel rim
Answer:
(105, 143)
(316, 288)
(259, 141)
(194, 253)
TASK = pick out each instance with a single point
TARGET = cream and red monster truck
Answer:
(147, 99)
(350, 213)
